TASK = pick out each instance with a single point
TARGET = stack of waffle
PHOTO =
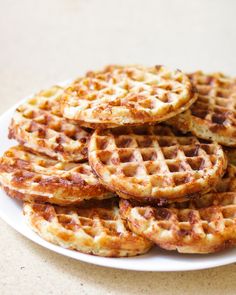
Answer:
(127, 158)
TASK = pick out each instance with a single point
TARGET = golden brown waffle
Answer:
(127, 95)
(202, 226)
(97, 230)
(225, 184)
(38, 124)
(33, 177)
(153, 163)
(213, 115)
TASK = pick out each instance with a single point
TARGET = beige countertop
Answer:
(43, 42)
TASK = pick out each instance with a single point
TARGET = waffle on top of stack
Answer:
(153, 163)
(127, 95)
(174, 187)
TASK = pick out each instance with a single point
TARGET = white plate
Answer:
(155, 260)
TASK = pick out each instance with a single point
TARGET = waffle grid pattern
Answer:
(154, 162)
(39, 125)
(213, 115)
(96, 230)
(217, 99)
(201, 226)
(127, 95)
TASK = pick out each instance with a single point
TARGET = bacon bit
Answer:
(183, 232)
(77, 179)
(41, 133)
(59, 148)
(219, 118)
(22, 164)
(192, 218)
(162, 213)
(83, 140)
(60, 140)
(115, 161)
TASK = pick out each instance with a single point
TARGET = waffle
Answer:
(205, 225)
(127, 95)
(225, 184)
(97, 230)
(38, 124)
(213, 115)
(33, 177)
(154, 162)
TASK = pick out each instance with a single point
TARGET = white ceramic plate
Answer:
(155, 260)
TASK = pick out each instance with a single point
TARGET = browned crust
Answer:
(103, 115)
(184, 241)
(204, 129)
(216, 120)
(18, 176)
(39, 125)
(43, 220)
(61, 200)
(40, 145)
(54, 185)
(191, 189)
(159, 202)
(143, 121)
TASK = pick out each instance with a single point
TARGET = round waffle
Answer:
(205, 225)
(154, 162)
(127, 95)
(97, 230)
(213, 115)
(38, 124)
(33, 177)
